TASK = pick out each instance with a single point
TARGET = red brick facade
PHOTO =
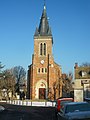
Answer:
(44, 75)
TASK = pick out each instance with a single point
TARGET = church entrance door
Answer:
(42, 93)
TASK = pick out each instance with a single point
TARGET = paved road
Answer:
(15, 112)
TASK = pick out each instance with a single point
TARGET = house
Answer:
(82, 82)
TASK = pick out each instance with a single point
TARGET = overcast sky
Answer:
(70, 24)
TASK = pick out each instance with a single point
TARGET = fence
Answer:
(31, 103)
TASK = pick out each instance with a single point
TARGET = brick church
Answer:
(44, 74)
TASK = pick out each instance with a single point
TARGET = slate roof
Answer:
(43, 29)
(82, 72)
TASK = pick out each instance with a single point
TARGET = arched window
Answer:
(45, 70)
(41, 49)
(42, 70)
(38, 70)
(44, 48)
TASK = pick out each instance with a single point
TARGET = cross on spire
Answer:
(44, 2)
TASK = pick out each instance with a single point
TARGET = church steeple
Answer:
(43, 29)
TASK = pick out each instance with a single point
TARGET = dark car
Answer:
(1, 108)
(87, 100)
(74, 111)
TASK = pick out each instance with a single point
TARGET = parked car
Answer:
(74, 111)
(87, 100)
(1, 108)
(60, 102)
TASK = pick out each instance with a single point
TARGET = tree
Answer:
(1, 77)
(20, 74)
(7, 82)
(86, 64)
(67, 84)
(1, 66)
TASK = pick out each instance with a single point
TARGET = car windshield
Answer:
(77, 107)
(65, 101)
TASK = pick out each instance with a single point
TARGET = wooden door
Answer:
(42, 93)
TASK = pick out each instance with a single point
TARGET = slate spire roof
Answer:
(43, 29)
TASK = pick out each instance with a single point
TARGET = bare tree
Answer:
(86, 64)
(20, 74)
(7, 82)
(1, 66)
(67, 84)
(1, 77)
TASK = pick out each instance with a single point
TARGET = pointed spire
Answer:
(44, 2)
(36, 32)
(44, 29)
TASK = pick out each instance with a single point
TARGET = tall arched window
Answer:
(44, 48)
(41, 49)
(42, 70)
(45, 70)
(38, 70)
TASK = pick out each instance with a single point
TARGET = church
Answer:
(44, 74)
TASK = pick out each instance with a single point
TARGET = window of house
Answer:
(84, 73)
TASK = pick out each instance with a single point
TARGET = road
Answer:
(16, 112)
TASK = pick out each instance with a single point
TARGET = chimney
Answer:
(76, 65)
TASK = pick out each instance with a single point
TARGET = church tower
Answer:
(44, 75)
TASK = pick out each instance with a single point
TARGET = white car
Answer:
(74, 111)
(1, 108)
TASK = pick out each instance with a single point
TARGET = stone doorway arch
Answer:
(41, 89)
